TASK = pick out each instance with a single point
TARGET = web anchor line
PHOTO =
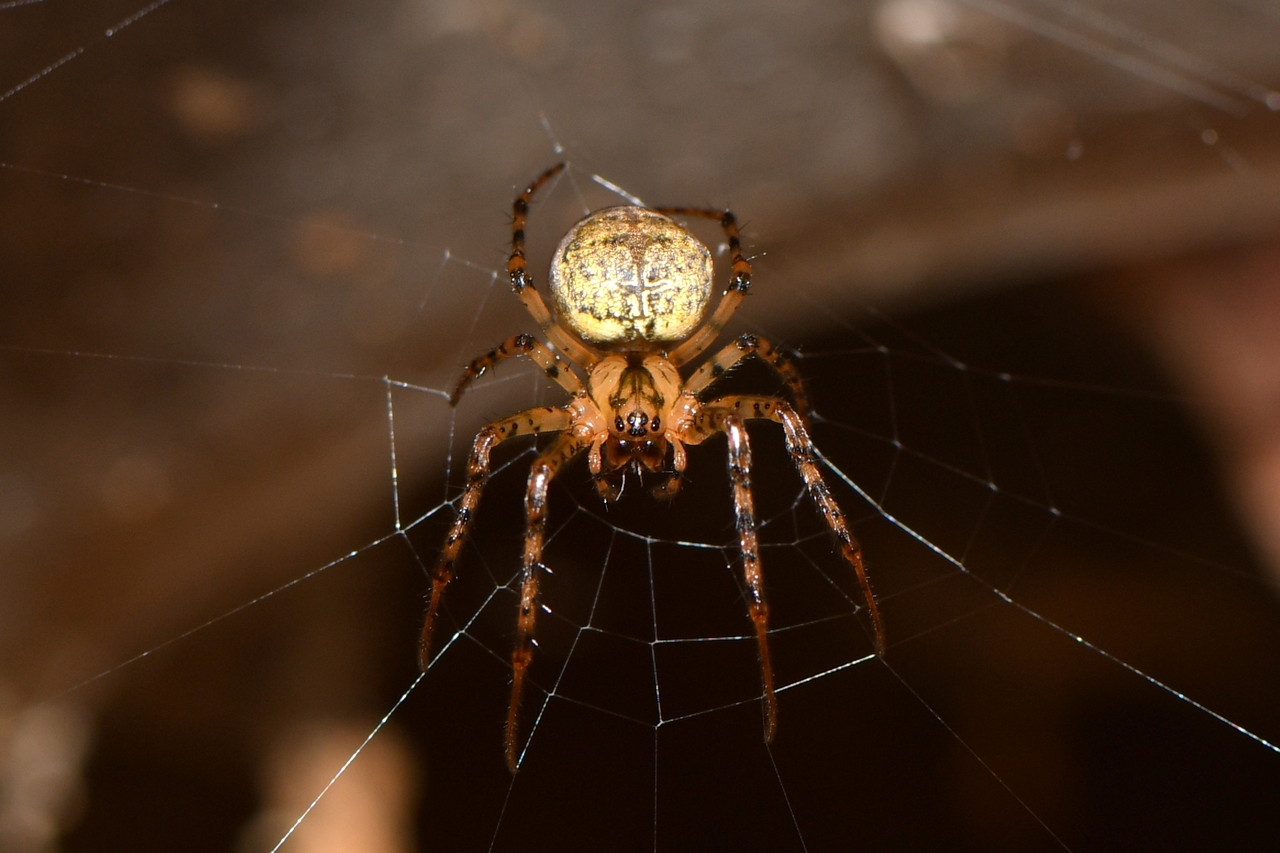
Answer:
(1151, 679)
(350, 760)
(978, 758)
(391, 441)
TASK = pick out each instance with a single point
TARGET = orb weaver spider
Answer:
(630, 287)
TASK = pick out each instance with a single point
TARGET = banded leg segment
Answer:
(745, 347)
(800, 446)
(535, 507)
(734, 428)
(522, 282)
(516, 345)
(739, 284)
(525, 423)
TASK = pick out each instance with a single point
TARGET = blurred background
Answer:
(225, 223)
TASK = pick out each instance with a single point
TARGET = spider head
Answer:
(636, 436)
(631, 393)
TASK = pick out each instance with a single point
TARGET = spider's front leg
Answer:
(535, 505)
(708, 422)
(745, 347)
(744, 506)
(525, 423)
(803, 456)
(522, 282)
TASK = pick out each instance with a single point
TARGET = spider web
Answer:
(981, 528)
(1076, 636)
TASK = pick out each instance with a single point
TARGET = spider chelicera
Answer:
(630, 288)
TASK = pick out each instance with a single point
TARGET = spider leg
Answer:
(517, 345)
(800, 446)
(525, 423)
(544, 469)
(705, 336)
(745, 347)
(522, 282)
(732, 425)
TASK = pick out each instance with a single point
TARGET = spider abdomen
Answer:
(627, 274)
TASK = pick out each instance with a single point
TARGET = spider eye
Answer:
(619, 425)
(656, 425)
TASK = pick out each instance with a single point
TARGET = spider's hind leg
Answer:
(804, 457)
(525, 423)
(732, 424)
(739, 284)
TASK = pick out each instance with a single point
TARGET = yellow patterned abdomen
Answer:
(627, 274)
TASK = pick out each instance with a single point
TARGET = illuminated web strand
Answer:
(79, 51)
(1170, 53)
(1009, 379)
(1151, 679)
(220, 618)
(653, 646)
(221, 365)
(343, 769)
(1134, 65)
(1050, 507)
(738, 703)
(391, 441)
(595, 601)
(617, 190)
(212, 365)
(399, 531)
(786, 798)
(556, 147)
(209, 205)
(976, 757)
(553, 691)
(1004, 376)
(43, 72)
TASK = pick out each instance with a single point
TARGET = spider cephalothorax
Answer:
(631, 289)
(638, 391)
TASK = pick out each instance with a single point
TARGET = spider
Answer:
(631, 287)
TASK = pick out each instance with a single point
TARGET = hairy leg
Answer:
(745, 347)
(733, 426)
(522, 282)
(535, 506)
(517, 345)
(525, 423)
(800, 446)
